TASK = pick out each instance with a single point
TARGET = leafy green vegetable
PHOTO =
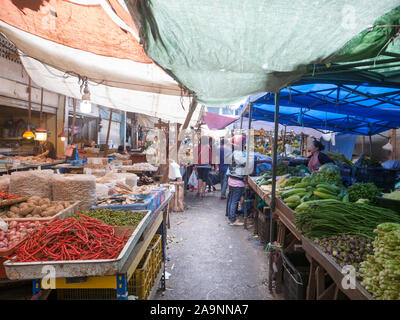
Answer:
(363, 190)
(338, 157)
(327, 173)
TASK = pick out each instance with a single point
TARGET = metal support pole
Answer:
(123, 129)
(284, 142)
(73, 122)
(108, 134)
(273, 192)
(275, 157)
(246, 214)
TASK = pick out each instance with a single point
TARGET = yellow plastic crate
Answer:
(156, 249)
(86, 294)
(142, 280)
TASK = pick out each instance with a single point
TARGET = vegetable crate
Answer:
(142, 281)
(295, 275)
(345, 173)
(86, 294)
(156, 254)
(381, 177)
(388, 203)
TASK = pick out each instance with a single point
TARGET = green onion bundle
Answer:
(325, 218)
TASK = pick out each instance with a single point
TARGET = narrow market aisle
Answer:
(209, 260)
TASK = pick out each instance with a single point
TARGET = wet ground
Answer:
(209, 260)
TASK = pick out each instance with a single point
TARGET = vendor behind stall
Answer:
(45, 149)
(317, 158)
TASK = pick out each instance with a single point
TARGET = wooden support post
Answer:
(311, 287)
(164, 126)
(108, 135)
(394, 144)
(329, 293)
(278, 275)
(320, 281)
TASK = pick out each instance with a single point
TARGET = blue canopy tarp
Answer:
(359, 109)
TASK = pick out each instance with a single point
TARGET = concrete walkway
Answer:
(210, 260)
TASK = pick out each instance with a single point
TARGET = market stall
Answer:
(298, 197)
(124, 228)
(297, 203)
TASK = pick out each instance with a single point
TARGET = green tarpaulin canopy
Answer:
(225, 50)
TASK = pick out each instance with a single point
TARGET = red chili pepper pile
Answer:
(6, 196)
(81, 238)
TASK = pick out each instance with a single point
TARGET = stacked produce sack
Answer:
(32, 183)
(75, 187)
(4, 183)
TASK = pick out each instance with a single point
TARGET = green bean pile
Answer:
(116, 217)
(327, 218)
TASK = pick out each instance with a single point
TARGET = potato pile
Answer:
(36, 207)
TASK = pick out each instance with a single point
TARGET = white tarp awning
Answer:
(166, 107)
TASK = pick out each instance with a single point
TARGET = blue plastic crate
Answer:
(148, 204)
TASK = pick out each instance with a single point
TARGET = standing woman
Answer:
(317, 158)
(204, 165)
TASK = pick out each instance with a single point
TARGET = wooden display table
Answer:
(321, 264)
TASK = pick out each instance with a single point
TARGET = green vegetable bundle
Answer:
(292, 181)
(323, 218)
(339, 157)
(363, 190)
(327, 173)
(381, 271)
(116, 217)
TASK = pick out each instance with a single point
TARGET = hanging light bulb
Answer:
(62, 136)
(28, 134)
(41, 133)
(86, 106)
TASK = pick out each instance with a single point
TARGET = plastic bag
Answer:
(174, 172)
(193, 179)
(3, 225)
